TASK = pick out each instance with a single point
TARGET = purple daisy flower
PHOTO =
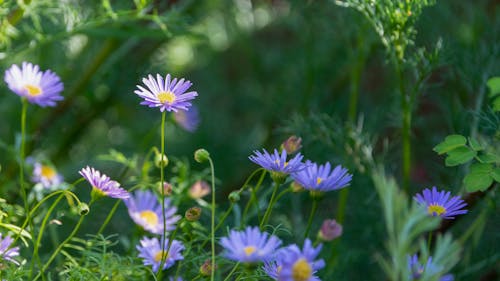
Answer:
(294, 264)
(250, 245)
(277, 162)
(322, 178)
(417, 269)
(151, 252)
(440, 204)
(6, 252)
(167, 94)
(46, 175)
(188, 120)
(42, 88)
(102, 184)
(145, 210)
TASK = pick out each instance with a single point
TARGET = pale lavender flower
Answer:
(188, 120)
(440, 203)
(417, 269)
(42, 88)
(46, 175)
(321, 177)
(102, 184)
(151, 252)
(6, 252)
(250, 245)
(167, 94)
(145, 210)
(277, 162)
(294, 264)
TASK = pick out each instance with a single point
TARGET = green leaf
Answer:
(450, 142)
(494, 85)
(459, 156)
(495, 174)
(496, 104)
(487, 158)
(479, 177)
(474, 144)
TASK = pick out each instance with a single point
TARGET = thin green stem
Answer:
(108, 218)
(311, 216)
(429, 241)
(269, 207)
(212, 236)
(253, 191)
(162, 190)
(232, 271)
(406, 126)
(71, 235)
(22, 156)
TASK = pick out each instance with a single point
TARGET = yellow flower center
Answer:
(319, 180)
(277, 161)
(47, 172)
(436, 209)
(159, 255)
(249, 250)
(150, 217)
(33, 90)
(301, 270)
(98, 191)
(166, 97)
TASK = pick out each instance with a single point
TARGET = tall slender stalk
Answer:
(406, 125)
(162, 190)
(267, 214)
(22, 157)
(311, 216)
(212, 236)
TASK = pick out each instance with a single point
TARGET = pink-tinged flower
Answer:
(440, 203)
(102, 184)
(42, 88)
(330, 230)
(6, 252)
(199, 189)
(188, 120)
(292, 144)
(145, 210)
(167, 94)
(250, 245)
(46, 175)
(151, 252)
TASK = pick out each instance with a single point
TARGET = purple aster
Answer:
(102, 184)
(145, 210)
(277, 162)
(440, 204)
(46, 175)
(417, 269)
(322, 178)
(151, 252)
(167, 94)
(188, 120)
(6, 252)
(294, 264)
(250, 245)
(42, 88)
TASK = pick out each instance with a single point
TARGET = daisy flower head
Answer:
(151, 252)
(168, 94)
(188, 120)
(299, 265)
(6, 252)
(430, 269)
(46, 175)
(41, 88)
(439, 203)
(145, 210)
(277, 162)
(249, 245)
(102, 184)
(321, 177)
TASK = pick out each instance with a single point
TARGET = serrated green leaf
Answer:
(495, 174)
(496, 104)
(487, 158)
(459, 156)
(479, 177)
(450, 142)
(474, 144)
(494, 85)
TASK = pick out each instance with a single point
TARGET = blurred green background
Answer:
(264, 70)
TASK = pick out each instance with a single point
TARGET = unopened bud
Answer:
(83, 209)
(206, 268)
(199, 189)
(201, 155)
(161, 160)
(292, 145)
(193, 214)
(234, 196)
(330, 230)
(296, 187)
(167, 188)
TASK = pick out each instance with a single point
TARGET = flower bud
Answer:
(161, 160)
(330, 230)
(199, 189)
(83, 209)
(167, 188)
(206, 268)
(193, 214)
(296, 187)
(234, 196)
(292, 145)
(201, 155)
